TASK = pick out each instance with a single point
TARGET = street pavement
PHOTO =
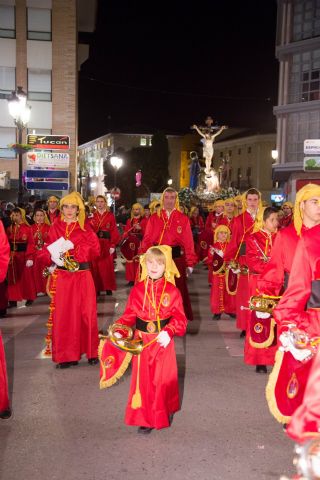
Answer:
(64, 427)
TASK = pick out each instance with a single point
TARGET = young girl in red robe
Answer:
(220, 300)
(259, 245)
(155, 309)
(40, 230)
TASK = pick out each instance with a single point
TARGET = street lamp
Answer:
(20, 112)
(116, 162)
(274, 154)
(169, 182)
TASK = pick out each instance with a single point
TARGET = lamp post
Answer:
(116, 162)
(20, 112)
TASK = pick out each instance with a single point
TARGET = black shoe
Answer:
(231, 315)
(29, 302)
(6, 414)
(145, 430)
(130, 284)
(216, 316)
(12, 304)
(109, 292)
(3, 313)
(170, 418)
(261, 369)
(93, 361)
(242, 334)
(63, 365)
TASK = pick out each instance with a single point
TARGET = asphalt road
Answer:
(64, 427)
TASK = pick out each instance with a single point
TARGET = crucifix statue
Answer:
(209, 134)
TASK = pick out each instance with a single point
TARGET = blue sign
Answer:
(47, 174)
(47, 186)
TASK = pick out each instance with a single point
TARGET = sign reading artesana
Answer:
(49, 142)
(48, 160)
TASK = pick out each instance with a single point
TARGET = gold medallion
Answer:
(258, 327)
(166, 300)
(109, 361)
(293, 386)
(151, 328)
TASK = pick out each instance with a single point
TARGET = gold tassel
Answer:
(136, 401)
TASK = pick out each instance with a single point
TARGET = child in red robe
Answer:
(40, 230)
(220, 300)
(259, 245)
(155, 309)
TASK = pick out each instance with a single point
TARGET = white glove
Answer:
(287, 346)
(163, 339)
(189, 271)
(57, 261)
(52, 268)
(285, 341)
(219, 252)
(117, 335)
(68, 245)
(29, 263)
(263, 315)
(111, 250)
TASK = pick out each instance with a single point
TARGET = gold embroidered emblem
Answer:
(203, 244)
(108, 225)
(258, 327)
(109, 361)
(151, 328)
(179, 229)
(215, 263)
(132, 246)
(166, 300)
(24, 237)
(293, 386)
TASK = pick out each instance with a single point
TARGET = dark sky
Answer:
(166, 65)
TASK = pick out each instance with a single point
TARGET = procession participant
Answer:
(155, 309)
(53, 210)
(228, 213)
(154, 206)
(214, 218)
(239, 205)
(275, 277)
(298, 313)
(261, 342)
(147, 212)
(287, 218)
(197, 227)
(71, 245)
(40, 230)
(5, 410)
(170, 227)
(21, 284)
(220, 300)
(104, 224)
(236, 250)
(131, 241)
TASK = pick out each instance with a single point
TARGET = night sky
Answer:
(166, 65)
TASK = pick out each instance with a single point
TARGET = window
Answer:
(39, 24)
(150, 141)
(221, 154)
(299, 127)
(304, 79)
(7, 81)
(7, 22)
(306, 19)
(39, 131)
(249, 149)
(230, 153)
(39, 84)
(239, 151)
(143, 141)
(7, 136)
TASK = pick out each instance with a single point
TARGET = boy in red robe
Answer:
(53, 210)
(40, 229)
(104, 224)
(155, 308)
(220, 300)
(5, 411)
(259, 246)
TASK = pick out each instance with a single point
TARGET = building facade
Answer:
(298, 109)
(39, 52)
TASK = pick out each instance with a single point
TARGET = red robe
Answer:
(173, 231)
(4, 260)
(286, 221)
(213, 220)
(21, 284)
(52, 215)
(227, 221)
(158, 375)
(295, 307)
(102, 267)
(306, 419)
(242, 228)
(132, 267)
(220, 300)
(254, 259)
(75, 329)
(274, 278)
(197, 227)
(39, 237)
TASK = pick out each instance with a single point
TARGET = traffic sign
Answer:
(47, 174)
(115, 193)
(47, 186)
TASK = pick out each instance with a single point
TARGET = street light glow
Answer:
(170, 181)
(274, 154)
(116, 162)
